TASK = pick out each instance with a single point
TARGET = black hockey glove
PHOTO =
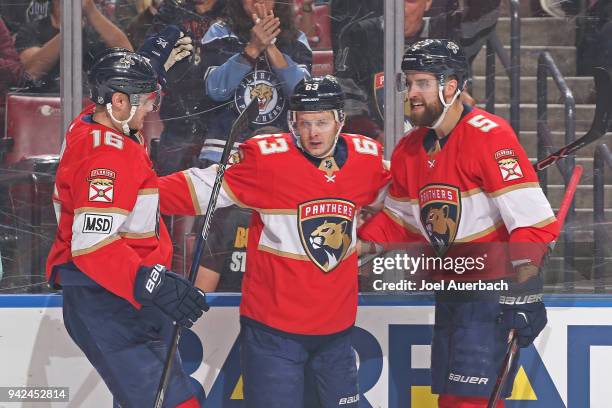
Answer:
(523, 310)
(165, 49)
(171, 293)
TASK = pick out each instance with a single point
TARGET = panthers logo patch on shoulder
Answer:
(440, 214)
(264, 86)
(326, 230)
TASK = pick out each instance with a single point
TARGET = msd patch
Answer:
(508, 165)
(97, 224)
(101, 185)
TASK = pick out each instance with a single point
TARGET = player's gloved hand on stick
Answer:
(523, 310)
(171, 293)
(165, 49)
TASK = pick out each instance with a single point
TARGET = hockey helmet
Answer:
(121, 70)
(316, 94)
(442, 58)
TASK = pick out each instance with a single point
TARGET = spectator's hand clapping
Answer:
(265, 29)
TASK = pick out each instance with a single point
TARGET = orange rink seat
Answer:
(322, 63)
(33, 122)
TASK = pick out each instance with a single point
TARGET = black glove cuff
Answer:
(148, 281)
(526, 292)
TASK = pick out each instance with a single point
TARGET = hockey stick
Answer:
(243, 121)
(513, 338)
(601, 120)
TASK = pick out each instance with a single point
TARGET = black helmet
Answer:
(120, 70)
(439, 57)
(317, 94)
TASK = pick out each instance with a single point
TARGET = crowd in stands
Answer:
(238, 56)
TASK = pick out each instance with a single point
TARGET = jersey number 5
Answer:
(110, 139)
(482, 123)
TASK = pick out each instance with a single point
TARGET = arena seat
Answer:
(33, 123)
(323, 23)
(323, 27)
(322, 63)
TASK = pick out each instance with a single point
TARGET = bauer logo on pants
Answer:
(326, 229)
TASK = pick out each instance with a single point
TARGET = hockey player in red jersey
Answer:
(110, 249)
(462, 182)
(299, 291)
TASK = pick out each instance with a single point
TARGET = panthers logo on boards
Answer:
(440, 214)
(264, 86)
(326, 229)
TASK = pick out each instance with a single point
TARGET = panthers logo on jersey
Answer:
(264, 86)
(440, 214)
(326, 230)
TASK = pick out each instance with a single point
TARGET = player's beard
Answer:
(426, 116)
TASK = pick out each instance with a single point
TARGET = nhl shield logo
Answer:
(326, 230)
(440, 214)
(264, 86)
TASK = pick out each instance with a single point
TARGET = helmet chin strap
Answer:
(446, 105)
(123, 123)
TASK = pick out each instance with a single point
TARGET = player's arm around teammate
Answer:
(119, 300)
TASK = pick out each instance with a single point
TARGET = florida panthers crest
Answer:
(264, 86)
(326, 229)
(440, 206)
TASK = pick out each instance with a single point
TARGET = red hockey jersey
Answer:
(301, 273)
(107, 207)
(476, 195)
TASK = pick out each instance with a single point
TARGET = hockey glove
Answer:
(171, 293)
(523, 310)
(165, 49)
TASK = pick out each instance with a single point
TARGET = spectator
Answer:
(306, 21)
(223, 261)
(255, 53)
(19, 12)
(11, 70)
(347, 12)
(362, 78)
(127, 10)
(478, 21)
(140, 25)
(38, 43)
(181, 112)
